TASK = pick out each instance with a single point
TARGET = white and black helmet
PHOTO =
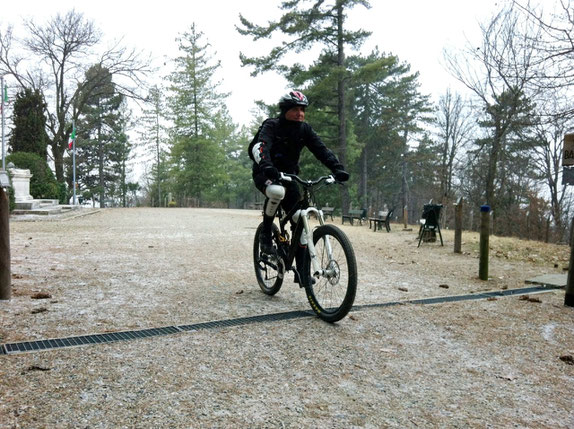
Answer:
(294, 98)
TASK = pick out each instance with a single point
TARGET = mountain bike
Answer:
(329, 269)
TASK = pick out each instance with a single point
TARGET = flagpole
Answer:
(74, 162)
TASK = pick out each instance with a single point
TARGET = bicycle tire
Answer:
(269, 273)
(332, 294)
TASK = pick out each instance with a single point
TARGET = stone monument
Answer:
(21, 185)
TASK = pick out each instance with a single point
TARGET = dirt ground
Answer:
(499, 362)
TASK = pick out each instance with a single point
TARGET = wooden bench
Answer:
(328, 211)
(354, 214)
(383, 218)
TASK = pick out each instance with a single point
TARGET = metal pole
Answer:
(5, 276)
(484, 235)
(74, 162)
(569, 296)
(3, 143)
(458, 226)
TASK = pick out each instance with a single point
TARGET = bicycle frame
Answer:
(301, 215)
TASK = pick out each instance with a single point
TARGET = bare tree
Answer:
(499, 72)
(555, 41)
(58, 54)
(455, 127)
(548, 146)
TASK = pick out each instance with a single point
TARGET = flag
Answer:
(4, 98)
(72, 138)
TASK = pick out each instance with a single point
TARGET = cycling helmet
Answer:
(294, 98)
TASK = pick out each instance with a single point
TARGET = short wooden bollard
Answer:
(569, 296)
(405, 217)
(458, 226)
(484, 236)
(5, 276)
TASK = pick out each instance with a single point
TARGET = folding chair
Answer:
(430, 223)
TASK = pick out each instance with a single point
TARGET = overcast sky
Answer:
(417, 31)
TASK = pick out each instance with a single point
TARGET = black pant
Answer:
(292, 194)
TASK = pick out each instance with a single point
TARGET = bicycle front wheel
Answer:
(269, 269)
(332, 294)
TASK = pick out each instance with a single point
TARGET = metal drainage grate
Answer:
(110, 337)
(467, 297)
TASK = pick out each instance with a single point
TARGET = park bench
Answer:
(430, 224)
(354, 214)
(383, 219)
(328, 211)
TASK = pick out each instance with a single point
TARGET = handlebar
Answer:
(284, 177)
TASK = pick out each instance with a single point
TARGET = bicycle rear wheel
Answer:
(332, 294)
(269, 269)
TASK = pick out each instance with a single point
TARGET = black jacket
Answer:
(282, 142)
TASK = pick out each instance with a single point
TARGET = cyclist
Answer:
(278, 149)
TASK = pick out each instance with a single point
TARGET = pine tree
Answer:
(197, 157)
(308, 23)
(99, 135)
(152, 140)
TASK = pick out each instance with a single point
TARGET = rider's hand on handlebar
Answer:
(271, 173)
(341, 175)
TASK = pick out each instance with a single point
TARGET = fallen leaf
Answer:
(239, 292)
(41, 295)
(444, 286)
(507, 377)
(37, 368)
(568, 359)
(403, 289)
(39, 310)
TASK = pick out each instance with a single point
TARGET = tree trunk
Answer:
(101, 165)
(345, 200)
(363, 191)
(404, 183)
(58, 161)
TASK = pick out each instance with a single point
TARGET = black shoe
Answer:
(266, 244)
(305, 279)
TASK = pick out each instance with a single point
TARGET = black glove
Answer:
(341, 175)
(271, 172)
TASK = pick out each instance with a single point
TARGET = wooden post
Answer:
(458, 226)
(405, 217)
(569, 296)
(484, 236)
(5, 276)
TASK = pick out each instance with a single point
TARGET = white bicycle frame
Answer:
(307, 234)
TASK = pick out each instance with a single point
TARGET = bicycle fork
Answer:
(307, 235)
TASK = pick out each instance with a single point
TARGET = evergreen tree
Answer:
(308, 23)
(152, 139)
(29, 132)
(99, 136)
(388, 113)
(196, 156)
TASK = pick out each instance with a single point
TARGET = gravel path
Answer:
(504, 362)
